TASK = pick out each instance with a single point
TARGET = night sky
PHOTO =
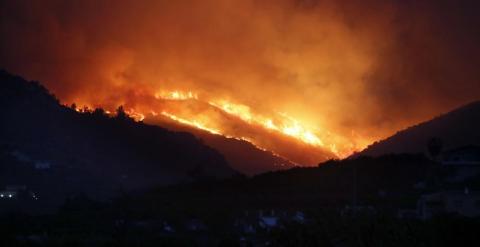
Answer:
(336, 75)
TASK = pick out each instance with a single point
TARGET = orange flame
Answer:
(289, 126)
(279, 123)
(175, 95)
(193, 123)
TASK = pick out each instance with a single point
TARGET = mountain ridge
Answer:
(455, 128)
(91, 152)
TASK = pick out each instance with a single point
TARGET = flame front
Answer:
(192, 123)
(175, 95)
(276, 131)
(288, 125)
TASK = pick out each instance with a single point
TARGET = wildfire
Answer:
(135, 115)
(241, 111)
(276, 123)
(287, 126)
(193, 123)
(175, 95)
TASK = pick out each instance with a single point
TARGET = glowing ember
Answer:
(288, 126)
(190, 123)
(175, 95)
(135, 115)
(241, 111)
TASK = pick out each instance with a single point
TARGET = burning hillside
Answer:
(306, 79)
(277, 132)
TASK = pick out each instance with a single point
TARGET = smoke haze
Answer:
(352, 71)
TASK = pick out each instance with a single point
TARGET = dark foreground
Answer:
(94, 225)
(396, 200)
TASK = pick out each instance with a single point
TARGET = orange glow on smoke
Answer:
(308, 80)
(279, 126)
(210, 115)
(288, 125)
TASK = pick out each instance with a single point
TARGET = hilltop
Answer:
(456, 128)
(55, 150)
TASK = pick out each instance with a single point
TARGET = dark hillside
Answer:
(460, 127)
(54, 149)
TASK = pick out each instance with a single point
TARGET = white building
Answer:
(463, 156)
(464, 162)
(5, 195)
(465, 203)
(12, 191)
(42, 165)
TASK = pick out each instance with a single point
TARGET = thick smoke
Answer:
(359, 69)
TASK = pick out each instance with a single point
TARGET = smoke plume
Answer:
(350, 71)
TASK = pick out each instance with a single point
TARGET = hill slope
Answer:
(456, 128)
(53, 148)
(387, 181)
(241, 155)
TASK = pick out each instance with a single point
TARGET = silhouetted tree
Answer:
(73, 106)
(121, 114)
(85, 109)
(99, 113)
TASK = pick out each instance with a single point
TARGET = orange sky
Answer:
(348, 72)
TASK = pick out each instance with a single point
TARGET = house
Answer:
(17, 192)
(246, 223)
(465, 203)
(251, 222)
(299, 217)
(245, 226)
(268, 220)
(464, 162)
(12, 191)
(42, 165)
(168, 228)
(463, 156)
(8, 194)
